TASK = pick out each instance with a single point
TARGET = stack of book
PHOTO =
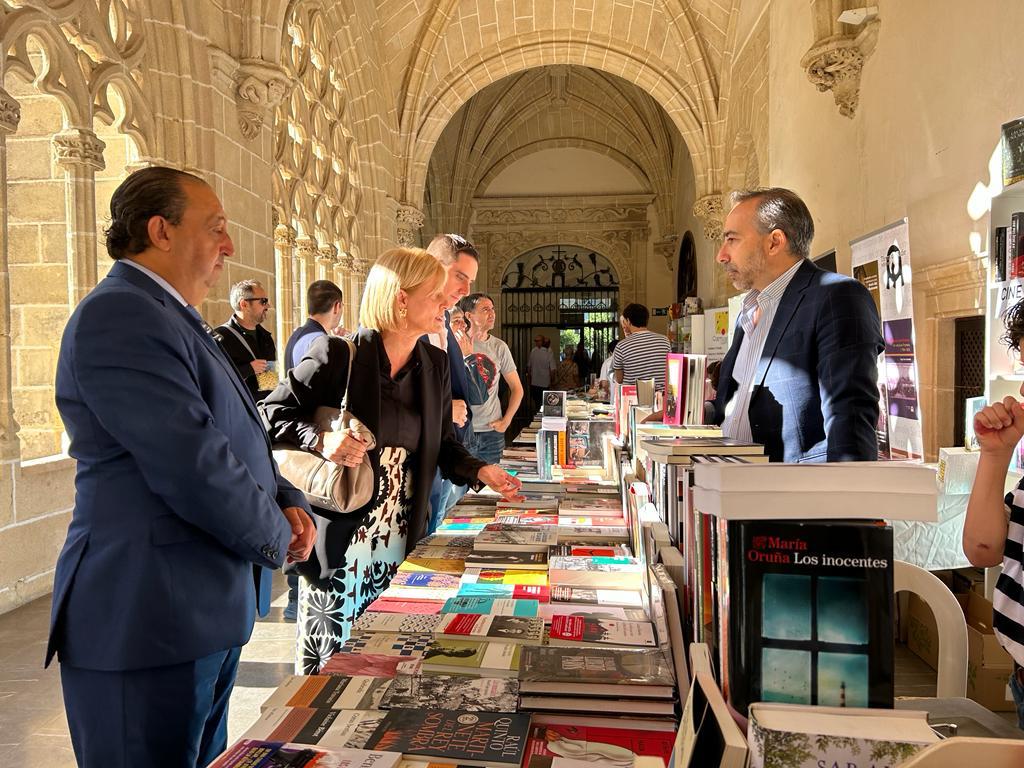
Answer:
(792, 567)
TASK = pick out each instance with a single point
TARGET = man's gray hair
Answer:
(782, 209)
(243, 289)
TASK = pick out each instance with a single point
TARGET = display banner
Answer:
(881, 262)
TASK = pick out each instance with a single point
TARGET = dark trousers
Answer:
(537, 395)
(162, 717)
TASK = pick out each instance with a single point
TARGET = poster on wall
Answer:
(881, 262)
(716, 332)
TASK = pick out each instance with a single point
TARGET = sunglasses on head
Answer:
(263, 300)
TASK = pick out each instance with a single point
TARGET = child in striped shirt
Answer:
(994, 527)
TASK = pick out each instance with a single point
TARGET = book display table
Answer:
(969, 716)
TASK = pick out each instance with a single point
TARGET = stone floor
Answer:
(34, 733)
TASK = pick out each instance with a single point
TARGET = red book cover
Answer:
(567, 628)
(598, 744)
(462, 624)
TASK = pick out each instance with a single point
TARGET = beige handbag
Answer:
(327, 485)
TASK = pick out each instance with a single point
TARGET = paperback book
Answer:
(251, 753)
(389, 645)
(507, 629)
(473, 694)
(507, 560)
(394, 623)
(596, 672)
(329, 692)
(327, 728)
(596, 572)
(509, 591)
(492, 606)
(370, 664)
(471, 657)
(454, 736)
(387, 605)
(599, 597)
(576, 630)
(504, 576)
(502, 537)
(600, 740)
(805, 612)
(425, 579)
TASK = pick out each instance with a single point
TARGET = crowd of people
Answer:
(181, 511)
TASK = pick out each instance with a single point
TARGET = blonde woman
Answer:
(400, 389)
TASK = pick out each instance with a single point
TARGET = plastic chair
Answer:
(949, 618)
(960, 751)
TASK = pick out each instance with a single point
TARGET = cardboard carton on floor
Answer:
(988, 665)
(922, 631)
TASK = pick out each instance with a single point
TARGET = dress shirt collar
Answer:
(157, 279)
(771, 295)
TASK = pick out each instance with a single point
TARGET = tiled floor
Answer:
(34, 733)
(33, 730)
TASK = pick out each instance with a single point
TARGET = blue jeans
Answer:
(488, 446)
(1018, 694)
(439, 492)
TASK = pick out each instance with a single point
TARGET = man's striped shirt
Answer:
(642, 355)
(1008, 598)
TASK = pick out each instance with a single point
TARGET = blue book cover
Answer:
(492, 605)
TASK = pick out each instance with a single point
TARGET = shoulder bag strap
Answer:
(241, 338)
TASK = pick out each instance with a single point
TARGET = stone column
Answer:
(709, 210)
(80, 154)
(410, 222)
(306, 249)
(326, 255)
(344, 280)
(284, 248)
(10, 115)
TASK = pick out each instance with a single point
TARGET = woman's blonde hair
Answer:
(400, 269)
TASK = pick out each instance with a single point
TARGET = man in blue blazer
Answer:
(801, 376)
(177, 493)
(461, 263)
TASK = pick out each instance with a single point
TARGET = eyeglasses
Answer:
(262, 300)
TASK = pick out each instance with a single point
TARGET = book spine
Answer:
(999, 255)
(1017, 245)
(1011, 249)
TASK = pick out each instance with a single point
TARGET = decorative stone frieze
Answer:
(260, 87)
(284, 236)
(709, 210)
(79, 147)
(10, 112)
(410, 221)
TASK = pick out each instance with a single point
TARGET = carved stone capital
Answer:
(327, 254)
(410, 220)
(10, 112)
(666, 247)
(709, 210)
(284, 236)
(835, 64)
(78, 147)
(306, 248)
(259, 88)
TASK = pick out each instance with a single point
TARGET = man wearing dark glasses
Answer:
(249, 345)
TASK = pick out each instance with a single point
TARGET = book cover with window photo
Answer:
(806, 612)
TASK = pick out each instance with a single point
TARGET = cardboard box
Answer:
(922, 631)
(956, 470)
(988, 665)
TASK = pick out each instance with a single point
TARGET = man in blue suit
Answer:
(177, 493)
(461, 262)
(801, 376)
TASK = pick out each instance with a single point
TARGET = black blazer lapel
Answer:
(788, 305)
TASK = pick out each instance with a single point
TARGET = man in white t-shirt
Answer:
(490, 362)
(538, 368)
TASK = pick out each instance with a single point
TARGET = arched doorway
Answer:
(565, 292)
(686, 273)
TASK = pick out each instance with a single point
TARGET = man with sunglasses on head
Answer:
(249, 345)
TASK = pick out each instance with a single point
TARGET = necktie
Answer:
(206, 326)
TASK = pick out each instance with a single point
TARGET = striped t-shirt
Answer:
(642, 355)
(1008, 598)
